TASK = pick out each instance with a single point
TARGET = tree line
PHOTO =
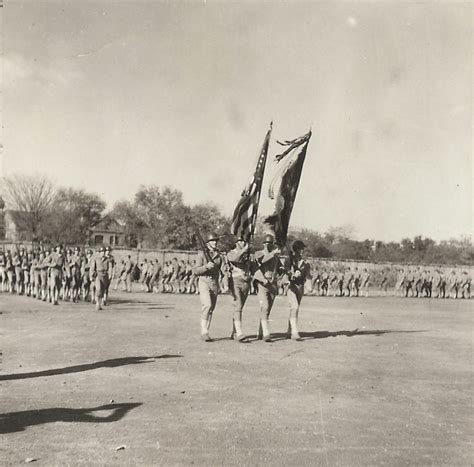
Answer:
(158, 217)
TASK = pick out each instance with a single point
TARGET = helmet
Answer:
(212, 236)
(269, 238)
(108, 248)
(101, 249)
(298, 245)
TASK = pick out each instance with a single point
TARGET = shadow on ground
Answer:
(324, 334)
(18, 421)
(112, 363)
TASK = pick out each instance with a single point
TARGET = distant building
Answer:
(108, 231)
(12, 230)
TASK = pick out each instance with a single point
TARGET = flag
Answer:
(245, 213)
(289, 178)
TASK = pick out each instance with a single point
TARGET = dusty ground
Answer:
(381, 381)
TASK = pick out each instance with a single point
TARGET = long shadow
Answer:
(112, 363)
(18, 421)
(278, 336)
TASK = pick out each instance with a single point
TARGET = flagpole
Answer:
(254, 224)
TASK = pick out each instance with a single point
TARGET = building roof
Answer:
(108, 224)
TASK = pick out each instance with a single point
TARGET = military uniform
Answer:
(239, 282)
(99, 271)
(269, 266)
(208, 273)
(298, 270)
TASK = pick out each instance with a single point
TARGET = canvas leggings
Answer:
(266, 299)
(239, 289)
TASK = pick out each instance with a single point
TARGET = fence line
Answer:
(166, 254)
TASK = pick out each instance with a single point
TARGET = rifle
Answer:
(203, 247)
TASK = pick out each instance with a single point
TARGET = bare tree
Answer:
(29, 198)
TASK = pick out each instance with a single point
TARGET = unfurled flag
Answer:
(245, 213)
(289, 177)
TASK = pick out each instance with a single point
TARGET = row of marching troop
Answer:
(58, 273)
(177, 276)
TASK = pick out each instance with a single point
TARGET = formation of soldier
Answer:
(436, 283)
(57, 274)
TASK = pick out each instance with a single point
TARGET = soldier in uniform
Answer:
(269, 266)
(383, 283)
(239, 283)
(128, 273)
(208, 273)
(3, 273)
(365, 282)
(465, 284)
(56, 262)
(99, 268)
(10, 271)
(110, 272)
(298, 270)
(87, 288)
(18, 280)
(25, 272)
(356, 283)
(453, 285)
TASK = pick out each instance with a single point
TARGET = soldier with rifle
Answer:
(207, 268)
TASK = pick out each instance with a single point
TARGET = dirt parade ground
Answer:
(375, 381)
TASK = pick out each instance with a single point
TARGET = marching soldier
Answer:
(239, 283)
(99, 268)
(298, 270)
(365, 282)
(465, 284)
(269, 266)
(128, 273)
(56, 261)
(208, 273)
(110, 272)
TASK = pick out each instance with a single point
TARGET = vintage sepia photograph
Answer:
(236, 233)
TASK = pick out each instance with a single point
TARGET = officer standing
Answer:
(298, 271)
(208, 272)
(268, 262)
(239, 282)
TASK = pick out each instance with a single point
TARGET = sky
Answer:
(108, 96)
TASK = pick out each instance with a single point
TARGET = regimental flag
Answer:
(245, 213)
(289, 177)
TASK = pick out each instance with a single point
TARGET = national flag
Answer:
(245, 213)
(289, 178)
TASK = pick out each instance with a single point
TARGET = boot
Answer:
(205, 330)
(238, 331)
(265, 331)
(294, 329)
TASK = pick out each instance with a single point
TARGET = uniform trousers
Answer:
(240, 289)
(208, 291)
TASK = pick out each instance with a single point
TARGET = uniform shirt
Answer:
(128, 266)
(292, 266)
(239, 259)
(99, 265)
(269, 266)
(200, 269)
(56, 260)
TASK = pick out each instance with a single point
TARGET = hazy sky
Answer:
(110, 95)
